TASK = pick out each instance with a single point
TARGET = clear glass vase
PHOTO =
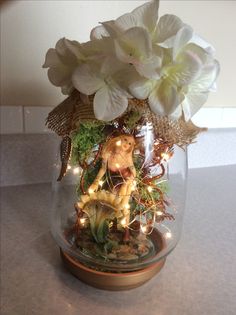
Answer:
(120, 210)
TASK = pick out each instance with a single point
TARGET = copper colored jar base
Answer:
(108, 280)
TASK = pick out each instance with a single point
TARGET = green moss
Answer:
(85, 139)
(132, 119)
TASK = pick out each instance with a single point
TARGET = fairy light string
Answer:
(148, 208)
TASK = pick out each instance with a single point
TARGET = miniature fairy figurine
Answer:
(117, 158)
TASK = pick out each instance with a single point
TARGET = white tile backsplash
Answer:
(35, 118)
(215, 117)
(208, 117)
(11, 119)
(229, 117)
(31, 119)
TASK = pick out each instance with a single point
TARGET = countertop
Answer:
(199, 276)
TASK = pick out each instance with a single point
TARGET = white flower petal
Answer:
(151, 68)
(213, 88)
(141, 89)
(182, 38)
(59, 76)
(112, 65)
(207, 78)
(198, 40)
(155, 103)
(167, 28)
(133, 45)
(192, 103)
(177, 113)
(187, 68)
(61, 47)
(75, 48)
(65, 55)
(98, 48)
(98, 32)
(86, 79)
(67, 89)
(62, 61)
(126, 22)
(69, 52)
(147, 15)
(165, 99)
(125, 77)
(51, 59)
(109, 103)
(111, 28)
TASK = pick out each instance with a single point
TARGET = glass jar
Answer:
(119, 208)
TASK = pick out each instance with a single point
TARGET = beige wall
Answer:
(29, 28)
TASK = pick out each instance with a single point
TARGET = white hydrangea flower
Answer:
(135, 47)
(144, 16)
(185, 80)
(111, 99)
(161, 60)
(62, 62)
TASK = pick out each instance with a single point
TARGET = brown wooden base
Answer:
(108, 280)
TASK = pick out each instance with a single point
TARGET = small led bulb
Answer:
(90, 191)
(123, 222)
(68, 167)
(165, 156)
(100, 183)
(168, 235)
(117, 165)
(118, 143)
(82, 221)
(76, 170)
(134, 185)
(127, 206)
(144, 228)
(150, 189)
(159, 212)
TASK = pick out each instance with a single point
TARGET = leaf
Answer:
(99, 217)
(102, 231)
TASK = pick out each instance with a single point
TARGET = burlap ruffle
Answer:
(67, 116)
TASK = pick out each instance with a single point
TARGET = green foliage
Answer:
(163, 186)
(89, 176)
(132, 119)
(99, 219)
(110, 245)
(154, 194)
(85, 139)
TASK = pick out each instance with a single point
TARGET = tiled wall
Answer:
(30, 158)
(31, 119)
(23, 119)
